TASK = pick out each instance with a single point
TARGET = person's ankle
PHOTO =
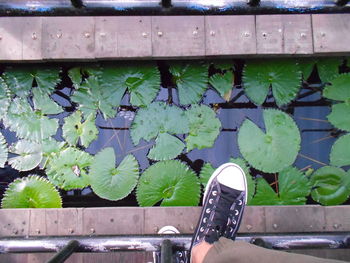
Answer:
(199, 252)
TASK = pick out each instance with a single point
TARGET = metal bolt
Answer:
(102, 34)
(246, 34)
(249, 227)
(323, 34)
(160, 33)
(280, 30)
(92, 230)
(192, 227)
(303, 35)
(144, 34)
(155, 229)
(275, 226)
(59, 35)
(335, 226)
(87, 35)
(0, 37)
(34, 36)
(264, 34)
(37, 231)
(15, 231)
(70, 230)
(212, 33)
(195, 32)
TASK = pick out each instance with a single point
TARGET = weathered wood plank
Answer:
(68, 37)
(14, 222)
(174, 36)
(331, 33)
(337, 218)
(70, 221)
(32, 38)
(106, 37)
(130, 257)
(11, 29)
(38, 222)
(253, 220)
(44, 257)
(230, 35)
(284, 34)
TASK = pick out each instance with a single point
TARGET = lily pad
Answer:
(339, 117)
(4, 98)
(69, 169)
(171, 183)
(223, 84)
(157, 118)
(167, 147)
(273, 150)
(50, 148)
(306, 66)
(282, 74)
(205, 173)
(74, 129)
(43, 103)
(191, 79)
(204, 127)
(293, 188)
(3, 151)
(110, 182)
(31, 192)
(331, 185)
(339, 90)
(340, 152)
(29, 155)
(328, 68)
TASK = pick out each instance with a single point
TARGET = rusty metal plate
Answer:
(284, 34)
(230, 35)
(11, 38)
(337, 218)
(70, 221)
(113, 221)
(14, 222)
(286, 219)
(31, 38)
(68, 37)
(178, 36)
(331, 33)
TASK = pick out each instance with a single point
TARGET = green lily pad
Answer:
(328, 68)
(110, 182)
(339, 90)
(274, 150)
(293, 188)
(204, 127)
(3, 151)
(167, 147)
(170, 182)
(74, 129)
(191, 79)
(50, 148)
(339, 117)
(306, 66)
(223, 64)
(282, 74)
(205, 173)
(4, 98)
(223, 84)
(69, 169)
(331, 185)
(157, 118)
(44, 103)
(340, 152)
(31, 192)
(76, 77)
(29, 155)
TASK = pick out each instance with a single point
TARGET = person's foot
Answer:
(223, 203)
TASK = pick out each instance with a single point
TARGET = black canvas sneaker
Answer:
(223, 203)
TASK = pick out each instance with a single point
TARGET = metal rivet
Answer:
(0, 37)
(37, 231)
(192, 227)
(323, 34)
(155, 229)
(275, 226)
(212, 33)
(144, 34)
(246, 34)
(59, 35)
(34, 36)
(279, 30)
(249, 227)
(87, 34)
(102, 34)
(195, 32)
(92, 230)
(15, 231)
(303, 35)
(70, 230)
(264, 34)
(160, 33)
(335, 226)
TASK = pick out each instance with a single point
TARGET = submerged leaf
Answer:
(204, 127)
(156, 118)
(340, 152)
(191, 79)
(222, 83)
(274, 150)
(167, 147)
(110, 182)
(331, 185)
(74, 129)
(3, 151)
(339, 117)
(170, 182)
(282, 74)
(339, 90)
(29, 155)
(31, 192)
(69, 169)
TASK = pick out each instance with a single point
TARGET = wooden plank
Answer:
(106, 37)
(14, 222)
(13, 258)
(337, 218)
(113, 221)
(174, 36)
(44, 257)
(230, 35)
(11, 38)
(37, 222)
(284, 34)
(70, 221)
(253, 220)
(286, 219)
(32, 38)
(68, 37)
(331, 33)
(130, 257)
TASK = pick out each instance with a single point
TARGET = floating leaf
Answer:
(167, 147)
(274, 150)
(339, 90)
(293, 188)
(328, 68)
(31, 192)
(339, 117)
(75, 76)
(44, 103)
(157, 117)
(4, 98)
(331, 185)
(204, 127)
(3, 151)
(113, 183)
(205, 173)
(222, 83)
(306, 66)
(29, 155)
(170, 182)
(282, 74)
(50, 148)
(340, 152)
(74, 129)
(223, 64)
(191, 79)
(69, 169)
